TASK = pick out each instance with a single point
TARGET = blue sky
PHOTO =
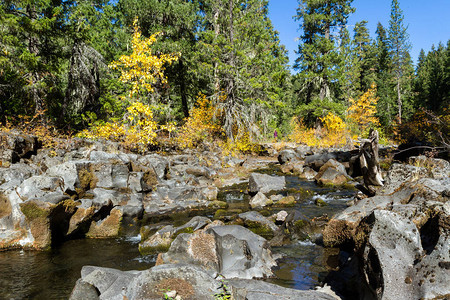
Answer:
(428, 21)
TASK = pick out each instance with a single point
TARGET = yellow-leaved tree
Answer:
(201, 124)
(362, 112)
(137, 129)
(141, 68)
(333, 132)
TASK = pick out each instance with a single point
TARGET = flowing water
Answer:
(52, 274)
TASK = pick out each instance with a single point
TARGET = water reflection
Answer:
(52, 274)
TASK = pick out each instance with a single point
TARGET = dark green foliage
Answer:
(318, 55)
(432, 80)
(399, 46)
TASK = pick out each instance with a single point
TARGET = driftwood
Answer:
(368, 162)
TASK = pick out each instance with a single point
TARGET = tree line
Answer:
(54, 58)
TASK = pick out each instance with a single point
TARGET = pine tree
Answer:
(431, 79)
(31, 43)
(349, 67)
(241, 53)
(384, 80)
(318, 58)
(365, 54)
(399, 46)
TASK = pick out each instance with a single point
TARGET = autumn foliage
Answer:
(333, 132)
(362, 112)
(141, 68)
(201, 125)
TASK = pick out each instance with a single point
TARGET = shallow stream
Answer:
(52, 274)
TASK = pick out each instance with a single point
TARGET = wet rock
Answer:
(47, 221)
(110, 283)
(260, 200)
(84, 291)
(260, 290)
(158, 242)
(258, 224)
(265, 183)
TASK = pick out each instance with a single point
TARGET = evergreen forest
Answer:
(181, 73)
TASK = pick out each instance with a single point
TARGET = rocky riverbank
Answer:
(394, 245)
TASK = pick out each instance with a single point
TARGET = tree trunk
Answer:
(216, 64)
(229, 123)
(399, 101)
(33, 47)
(184, 103)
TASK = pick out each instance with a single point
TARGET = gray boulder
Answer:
(265, 183)
(14, 146)
(110, 283)
(308, 173)
(332, 173)
(84, 291)
(396, 262)
(260, 290)
(75, 175)
(318, 160)
(232, 251)
(287, 155)
(439, 168)
(258, 223)
(189, 282)
(242, 254)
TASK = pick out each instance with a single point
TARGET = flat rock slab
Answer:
(265, 183)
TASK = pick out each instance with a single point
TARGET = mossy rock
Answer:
(320, 202)
(288, 201)
(220, 213)
(184, 230)
(35, 209)
(108, 227)
(145, 250)
(5, 206)
(88, 180)
(179, 218)
(300, 224)
(218, 204)
(259, 229)
(37, 214)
